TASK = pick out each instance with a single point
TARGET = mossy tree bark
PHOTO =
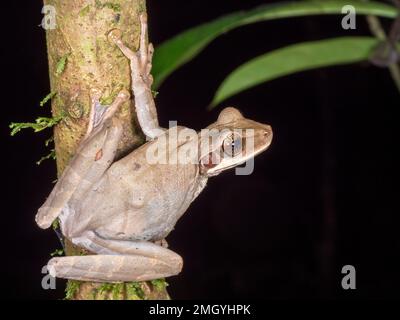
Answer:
(80, 58)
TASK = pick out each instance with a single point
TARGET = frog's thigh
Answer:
(101, 159)
(117, 261)
(87, 166)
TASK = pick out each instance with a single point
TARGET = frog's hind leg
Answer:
(113, 268)
(93, 156)
(117, 261)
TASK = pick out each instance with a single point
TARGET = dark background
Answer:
(323, 196)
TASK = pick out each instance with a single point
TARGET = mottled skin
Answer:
(122, 210)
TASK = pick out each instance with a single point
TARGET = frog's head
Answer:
(231, 141)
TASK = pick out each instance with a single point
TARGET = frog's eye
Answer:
(232, 145)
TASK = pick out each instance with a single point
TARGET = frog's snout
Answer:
(267, 134)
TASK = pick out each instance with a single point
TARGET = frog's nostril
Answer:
(267, 133)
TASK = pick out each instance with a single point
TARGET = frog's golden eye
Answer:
(232, 144)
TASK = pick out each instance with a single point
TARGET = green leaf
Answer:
(177, 51)
(295, 58)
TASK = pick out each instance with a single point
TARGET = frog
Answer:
(121, 210)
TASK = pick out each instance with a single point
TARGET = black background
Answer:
(323, 196)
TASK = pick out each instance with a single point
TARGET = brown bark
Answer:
(91, 61)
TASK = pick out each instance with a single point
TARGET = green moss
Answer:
(56, 224)
(57, 252)
(117, 291)
(116, 7)
(134, 291)
(61, 64)
(72, 287)
(102, 291)
(40, 124)
(51, 155)
(48, 141)
(107, 100)
(84, 11)
(105, 287)
(47, 98)
(159, 284)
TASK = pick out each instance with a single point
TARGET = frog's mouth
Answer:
(210, 161)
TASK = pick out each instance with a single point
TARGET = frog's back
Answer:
(140, 200)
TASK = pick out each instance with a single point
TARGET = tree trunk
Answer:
(80, 58)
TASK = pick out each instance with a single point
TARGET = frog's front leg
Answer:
(94, 155)
(116, 261)
(141, 79)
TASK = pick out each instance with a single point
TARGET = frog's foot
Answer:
(117, 261)
(141, 59)
(141, 80)
(100, 113)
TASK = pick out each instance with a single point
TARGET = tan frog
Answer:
(122, 210)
